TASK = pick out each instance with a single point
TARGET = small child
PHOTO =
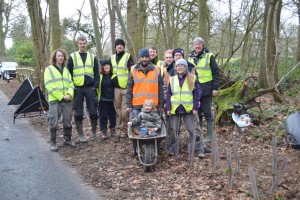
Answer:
(148, 119)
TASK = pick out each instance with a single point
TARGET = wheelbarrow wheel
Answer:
(147, 157)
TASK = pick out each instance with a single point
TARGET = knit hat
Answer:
(144, 52)
(105, 62)
(181, 61)
(119, 41)
(178, 50)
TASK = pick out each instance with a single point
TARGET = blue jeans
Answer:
(144, 132)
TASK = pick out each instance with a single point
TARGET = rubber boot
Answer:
(94, 129)
(79, 129)
(114, 135)
(68, 136)
(53, 146)
(209, 134)
(104, 134)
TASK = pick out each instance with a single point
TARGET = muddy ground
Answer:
(110, 166)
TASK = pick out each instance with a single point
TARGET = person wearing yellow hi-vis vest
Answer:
(154, 59)
(84, 69)
(182, 101)
(59, 85)
(208, 74)
(121, 63)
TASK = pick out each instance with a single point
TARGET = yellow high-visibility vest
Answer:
(203, 68)
(181, 95)
(81, 69)
(58, 85)
(120, 70)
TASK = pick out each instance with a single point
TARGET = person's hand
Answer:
(214, 93)
(195, 112)
(67, 97)
(168, 113)
(129, 109)
(129, 123)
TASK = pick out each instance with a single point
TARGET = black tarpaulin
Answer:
(22, 92)
(34, 102)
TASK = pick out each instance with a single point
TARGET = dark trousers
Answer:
(89, 94)
(106, 110)
(205, 109)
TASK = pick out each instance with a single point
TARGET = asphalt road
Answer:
(29, 170)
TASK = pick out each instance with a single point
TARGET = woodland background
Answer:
(250, 37)
(257, 46)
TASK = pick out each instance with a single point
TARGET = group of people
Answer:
(182, 88)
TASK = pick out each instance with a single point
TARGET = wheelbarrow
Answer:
(149, 146)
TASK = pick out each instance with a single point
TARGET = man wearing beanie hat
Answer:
(84, 69)
(144, 82)
(121, 63)
(208, 71)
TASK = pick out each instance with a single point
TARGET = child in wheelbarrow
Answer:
(148, 120)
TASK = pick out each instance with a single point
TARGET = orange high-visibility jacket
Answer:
(145, 86)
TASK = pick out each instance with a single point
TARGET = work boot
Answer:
(94, 129)
(104, 134)
(53, 146)
(207, 150)
(79, 129)
(68, 136)
(210, 126)
(114, 135)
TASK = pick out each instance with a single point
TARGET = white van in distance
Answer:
(8, 67)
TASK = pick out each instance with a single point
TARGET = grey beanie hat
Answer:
(181, 61)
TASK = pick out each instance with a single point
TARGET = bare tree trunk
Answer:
(112, 17)
(298, 35)
(127, 36)
(54, 24)
(231, 43)
(269, 59)
(262, 71)
(5, 12)
(96, 29)
(2, 33)
(163, 27)
(38, 36)
(277, 14)
(132, 25)
(272, 54)
(141, 25)
(202, 19)
(168, 24)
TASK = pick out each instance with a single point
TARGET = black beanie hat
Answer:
(119, 41)
(178, 50)
(105, 62)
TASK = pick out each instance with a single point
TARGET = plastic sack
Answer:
(241, 120)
